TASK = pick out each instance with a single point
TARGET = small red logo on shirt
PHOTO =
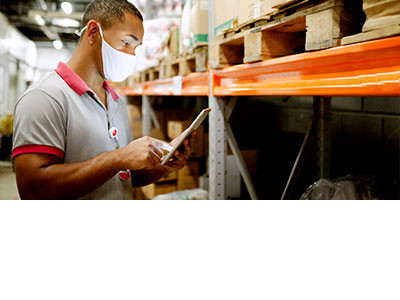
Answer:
(113, 132)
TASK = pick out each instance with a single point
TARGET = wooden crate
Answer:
(150, 74)
(296, 28)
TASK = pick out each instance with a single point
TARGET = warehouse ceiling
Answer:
(45, 20)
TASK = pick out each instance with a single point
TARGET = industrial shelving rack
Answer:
(369, 68)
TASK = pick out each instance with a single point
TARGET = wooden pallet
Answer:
(301, 26)
(150, 74)
(185, 64)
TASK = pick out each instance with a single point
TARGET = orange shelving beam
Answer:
(369, 68)
(195, 84)
(364, 69)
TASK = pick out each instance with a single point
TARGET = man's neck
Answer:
(83, 64)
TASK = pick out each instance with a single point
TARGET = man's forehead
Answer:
(132, 25)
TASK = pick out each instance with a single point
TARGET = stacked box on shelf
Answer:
(195, 31)
(173, 43)
(226, 15)
(250, 10)
(382, 20)
(135, 119)
(165, 185)
(279, 3)
(188, 177)
(176, 128)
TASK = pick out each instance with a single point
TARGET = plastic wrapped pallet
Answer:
(160, 8)
(155, 42)
(195, 194)
(354, 187)
(194, 25)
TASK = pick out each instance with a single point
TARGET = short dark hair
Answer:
(108, 11)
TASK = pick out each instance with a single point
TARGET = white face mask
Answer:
(117, 65)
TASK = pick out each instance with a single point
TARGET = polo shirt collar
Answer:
(77, 84)
(111, 90)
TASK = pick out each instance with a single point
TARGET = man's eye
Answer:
(125, 43)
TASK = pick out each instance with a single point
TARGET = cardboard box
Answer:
(279, 3)
(174, 42)
(198, 23)
(250, 156)
(135, 120)
(226, 15)
(253, 9)
(137, 194)
(157, 134)
(188, 177)
(170, 177)
(152, 190)
(176, 128)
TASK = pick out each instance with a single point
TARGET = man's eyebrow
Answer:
(134, 37)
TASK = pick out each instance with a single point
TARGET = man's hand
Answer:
(147, 176)
(141, 154)
(181, 156)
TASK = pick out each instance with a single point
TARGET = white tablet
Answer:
(196, 123)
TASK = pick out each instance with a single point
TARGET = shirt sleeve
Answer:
(39, 125)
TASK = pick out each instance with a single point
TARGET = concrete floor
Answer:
(8, 185)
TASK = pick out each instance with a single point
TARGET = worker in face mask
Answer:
(72, 138)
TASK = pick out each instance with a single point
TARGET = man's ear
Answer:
(92, 31)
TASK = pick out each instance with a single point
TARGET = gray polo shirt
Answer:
(59, 115)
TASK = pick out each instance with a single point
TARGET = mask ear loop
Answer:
(79, 33)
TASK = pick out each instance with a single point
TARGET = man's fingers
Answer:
(187, 146)
(158, 152)
(155, 158)
(193, 137)
(175, 165)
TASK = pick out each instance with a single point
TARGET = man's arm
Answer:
(42, 176)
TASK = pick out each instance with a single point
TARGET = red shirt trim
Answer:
(72, 79)
(111, 90)
(78, 84)
(38, 149)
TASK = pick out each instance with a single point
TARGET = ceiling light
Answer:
(39, 19)
(57, 44)
(66, 22)
(66, 7)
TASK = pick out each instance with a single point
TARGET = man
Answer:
(71, 133)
